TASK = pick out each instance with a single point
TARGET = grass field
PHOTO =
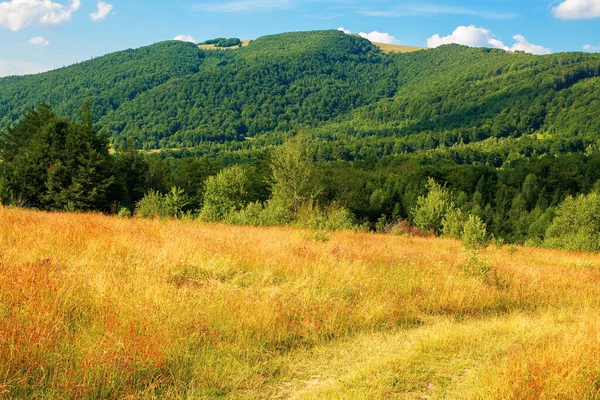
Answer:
(213, 47)
(98, 307)
(395, 48)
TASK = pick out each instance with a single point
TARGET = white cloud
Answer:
(19, 14)
(468, 36)
(523, 45)
(39, 41)
(243, 6)
(103, 10)
(375, 37)
(8, 68)
(185, 38)
(480, 37)
(589, 47)
(577, 9)
(379, 37)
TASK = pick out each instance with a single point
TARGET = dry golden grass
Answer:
(100, 307)
(213, 47)
(395, 48)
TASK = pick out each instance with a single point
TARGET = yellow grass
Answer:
(99, 307)
(394, 48)
(213, 47)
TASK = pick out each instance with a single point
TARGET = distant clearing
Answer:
(386, 48)
(394, 48)
(214, 47)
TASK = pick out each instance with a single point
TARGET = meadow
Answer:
(93, 306)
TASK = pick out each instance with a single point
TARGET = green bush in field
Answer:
(150, 206)
(576, 225)
(253, 214)
(226, 192)
(175, 202)
(430, 211)
(158, 205)
(474, 235)
(332, 218)
(124, 212)
(453, 223)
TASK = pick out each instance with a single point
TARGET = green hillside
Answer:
(346, 90)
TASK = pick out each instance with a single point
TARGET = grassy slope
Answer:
(385, 47)
(394, 48)
(94, 306)
(245, 43)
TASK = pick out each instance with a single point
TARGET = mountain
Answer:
(470, 104)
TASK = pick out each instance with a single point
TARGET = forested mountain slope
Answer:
(339, 88)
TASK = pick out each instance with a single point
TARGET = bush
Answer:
(150, 206)
(225, 193)
(576, 225)
(175, 203)
(124, 212)
(453, 223)
(157, 205)
(252, 214)
(431, 210)
(332, 218)
(474, 234)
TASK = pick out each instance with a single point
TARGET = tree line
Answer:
(50, 162)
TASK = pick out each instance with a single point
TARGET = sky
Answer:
(38, 35)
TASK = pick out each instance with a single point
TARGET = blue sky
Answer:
(37, 35)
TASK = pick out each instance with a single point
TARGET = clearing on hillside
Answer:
(395, 48)
(245, 43)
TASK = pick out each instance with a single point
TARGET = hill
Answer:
(340, 88)
(102, 307)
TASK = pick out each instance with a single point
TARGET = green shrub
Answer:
(157, 205)
(150, 206)
(226, 192)
(475, 266)
(474, 234)
(124, 212)
(576, 225)
(453, 223)
(252, 214)
(332, 218)
(431, 210)
(175, 203)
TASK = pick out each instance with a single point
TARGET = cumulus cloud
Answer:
(103, 10)
(39, 41)
(375, 37)
(8, 68)
(468, 36)
(480, 37)
(589, 47)
(185, 38)
(523, 45)
(19, 14)
(577, 9)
